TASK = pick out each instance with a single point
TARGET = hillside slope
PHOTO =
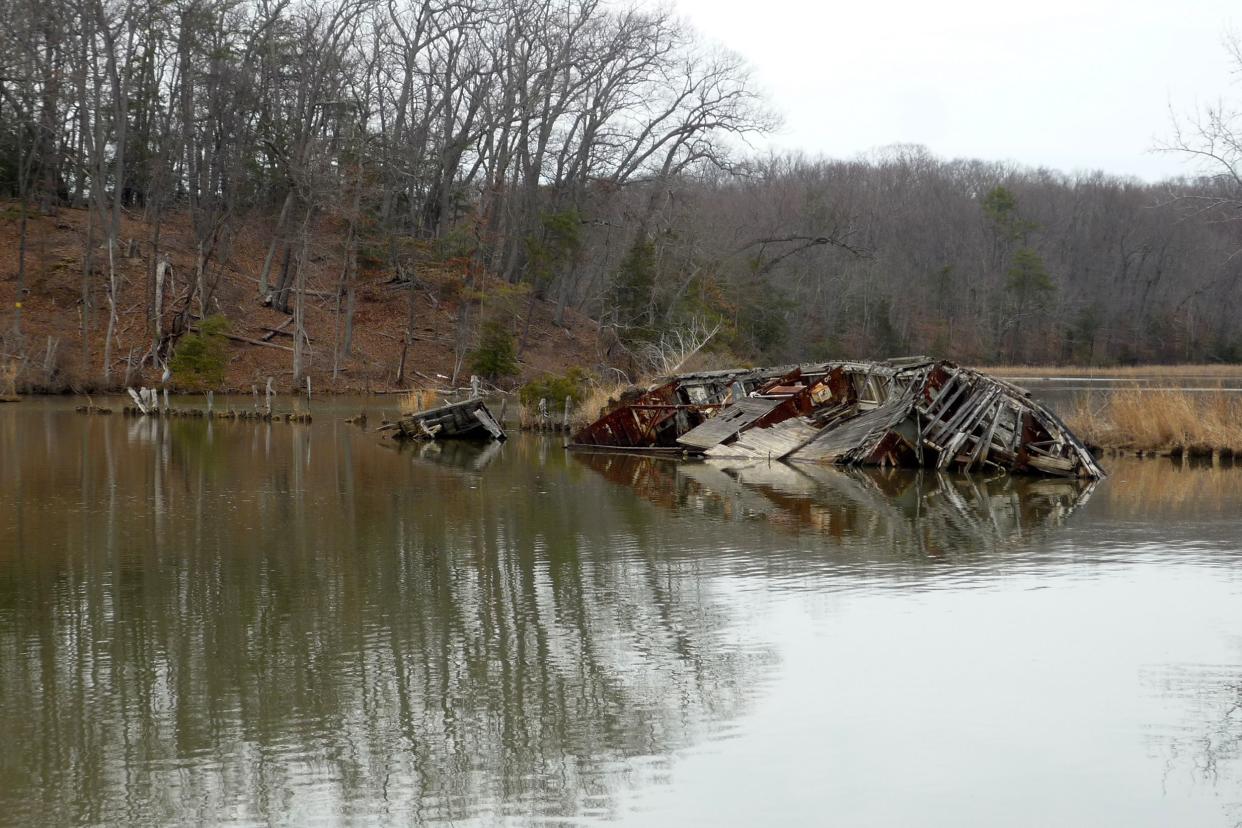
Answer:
(52, 311)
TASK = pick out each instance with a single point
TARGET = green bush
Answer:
(200, 357)
(458, 243)
(634, 284)
(496, 355)
(555, 389)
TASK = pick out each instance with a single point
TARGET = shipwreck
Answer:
(913, 412)
(467, 420)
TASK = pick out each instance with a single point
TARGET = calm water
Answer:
(205, 623)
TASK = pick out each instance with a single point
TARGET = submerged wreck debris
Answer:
(464, 420)
(914, 412)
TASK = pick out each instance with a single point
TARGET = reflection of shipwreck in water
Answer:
(463, 455)
(909, 509)
(913, 412)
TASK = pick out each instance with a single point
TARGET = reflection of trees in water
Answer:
(1207, 744)
(887, 515)
(202, 619)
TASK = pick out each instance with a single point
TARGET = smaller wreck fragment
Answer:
(913, 412)
(464, 420)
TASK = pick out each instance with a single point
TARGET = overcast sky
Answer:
(1071, 85)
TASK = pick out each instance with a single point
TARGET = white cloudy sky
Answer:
(1072, 85)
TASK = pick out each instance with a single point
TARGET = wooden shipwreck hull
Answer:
(468, 420)
(913, 412)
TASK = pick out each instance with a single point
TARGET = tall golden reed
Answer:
(1160, 419)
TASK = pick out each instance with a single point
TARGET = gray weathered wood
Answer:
(733, 419)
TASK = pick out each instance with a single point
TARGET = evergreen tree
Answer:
(635, 283)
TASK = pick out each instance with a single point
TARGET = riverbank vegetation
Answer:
(384, 194)
(1161, 420)
(1206, 371)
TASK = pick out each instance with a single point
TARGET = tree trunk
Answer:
(299, 300)
(271, 247)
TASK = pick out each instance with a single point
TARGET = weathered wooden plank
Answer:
(985, 445)
(837, 440)
(485, 418)
(943, 399)
(941, 430)
(733, 419)
(773, 443)
(963, 430)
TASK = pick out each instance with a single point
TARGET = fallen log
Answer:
(234, 337)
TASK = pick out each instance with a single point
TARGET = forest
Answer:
(594, 161)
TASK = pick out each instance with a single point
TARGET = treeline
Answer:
(498, 127)
(587, 154)
(984, 262)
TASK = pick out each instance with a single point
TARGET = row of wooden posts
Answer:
(148, 403)
(152, 402)
(546, 422)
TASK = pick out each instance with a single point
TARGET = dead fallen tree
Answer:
(909, 412)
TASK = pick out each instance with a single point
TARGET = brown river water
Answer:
(207, 622)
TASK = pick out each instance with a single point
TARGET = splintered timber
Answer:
(914, 412)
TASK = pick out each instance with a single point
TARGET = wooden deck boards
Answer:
(774, 443)
(734, 418)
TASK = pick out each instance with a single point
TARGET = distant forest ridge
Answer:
(586, 156)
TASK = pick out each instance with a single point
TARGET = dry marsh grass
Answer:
(1159, 419)
(596, 401)
(598, 398)
(420, 399)
(1187, 371)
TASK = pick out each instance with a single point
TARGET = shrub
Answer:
(555, 389)
(496, 356)
(200, 357)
